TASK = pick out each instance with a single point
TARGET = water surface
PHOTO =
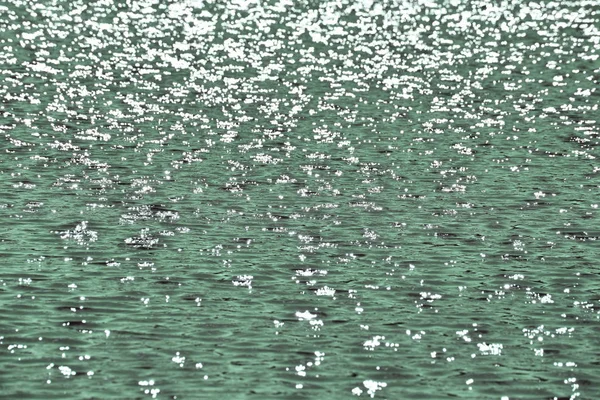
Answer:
(298, 199)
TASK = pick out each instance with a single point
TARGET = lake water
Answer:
(390, 199)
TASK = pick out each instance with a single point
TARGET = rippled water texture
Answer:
(299, 199)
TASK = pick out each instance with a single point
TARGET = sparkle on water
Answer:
(299, 199)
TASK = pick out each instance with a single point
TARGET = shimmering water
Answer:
(299, 199)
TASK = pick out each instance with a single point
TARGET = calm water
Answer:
(299, 199)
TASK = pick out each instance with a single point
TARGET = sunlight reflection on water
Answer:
(388, 199)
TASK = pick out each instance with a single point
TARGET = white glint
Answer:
(306, 315)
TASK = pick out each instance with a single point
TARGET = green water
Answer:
(299, 200)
